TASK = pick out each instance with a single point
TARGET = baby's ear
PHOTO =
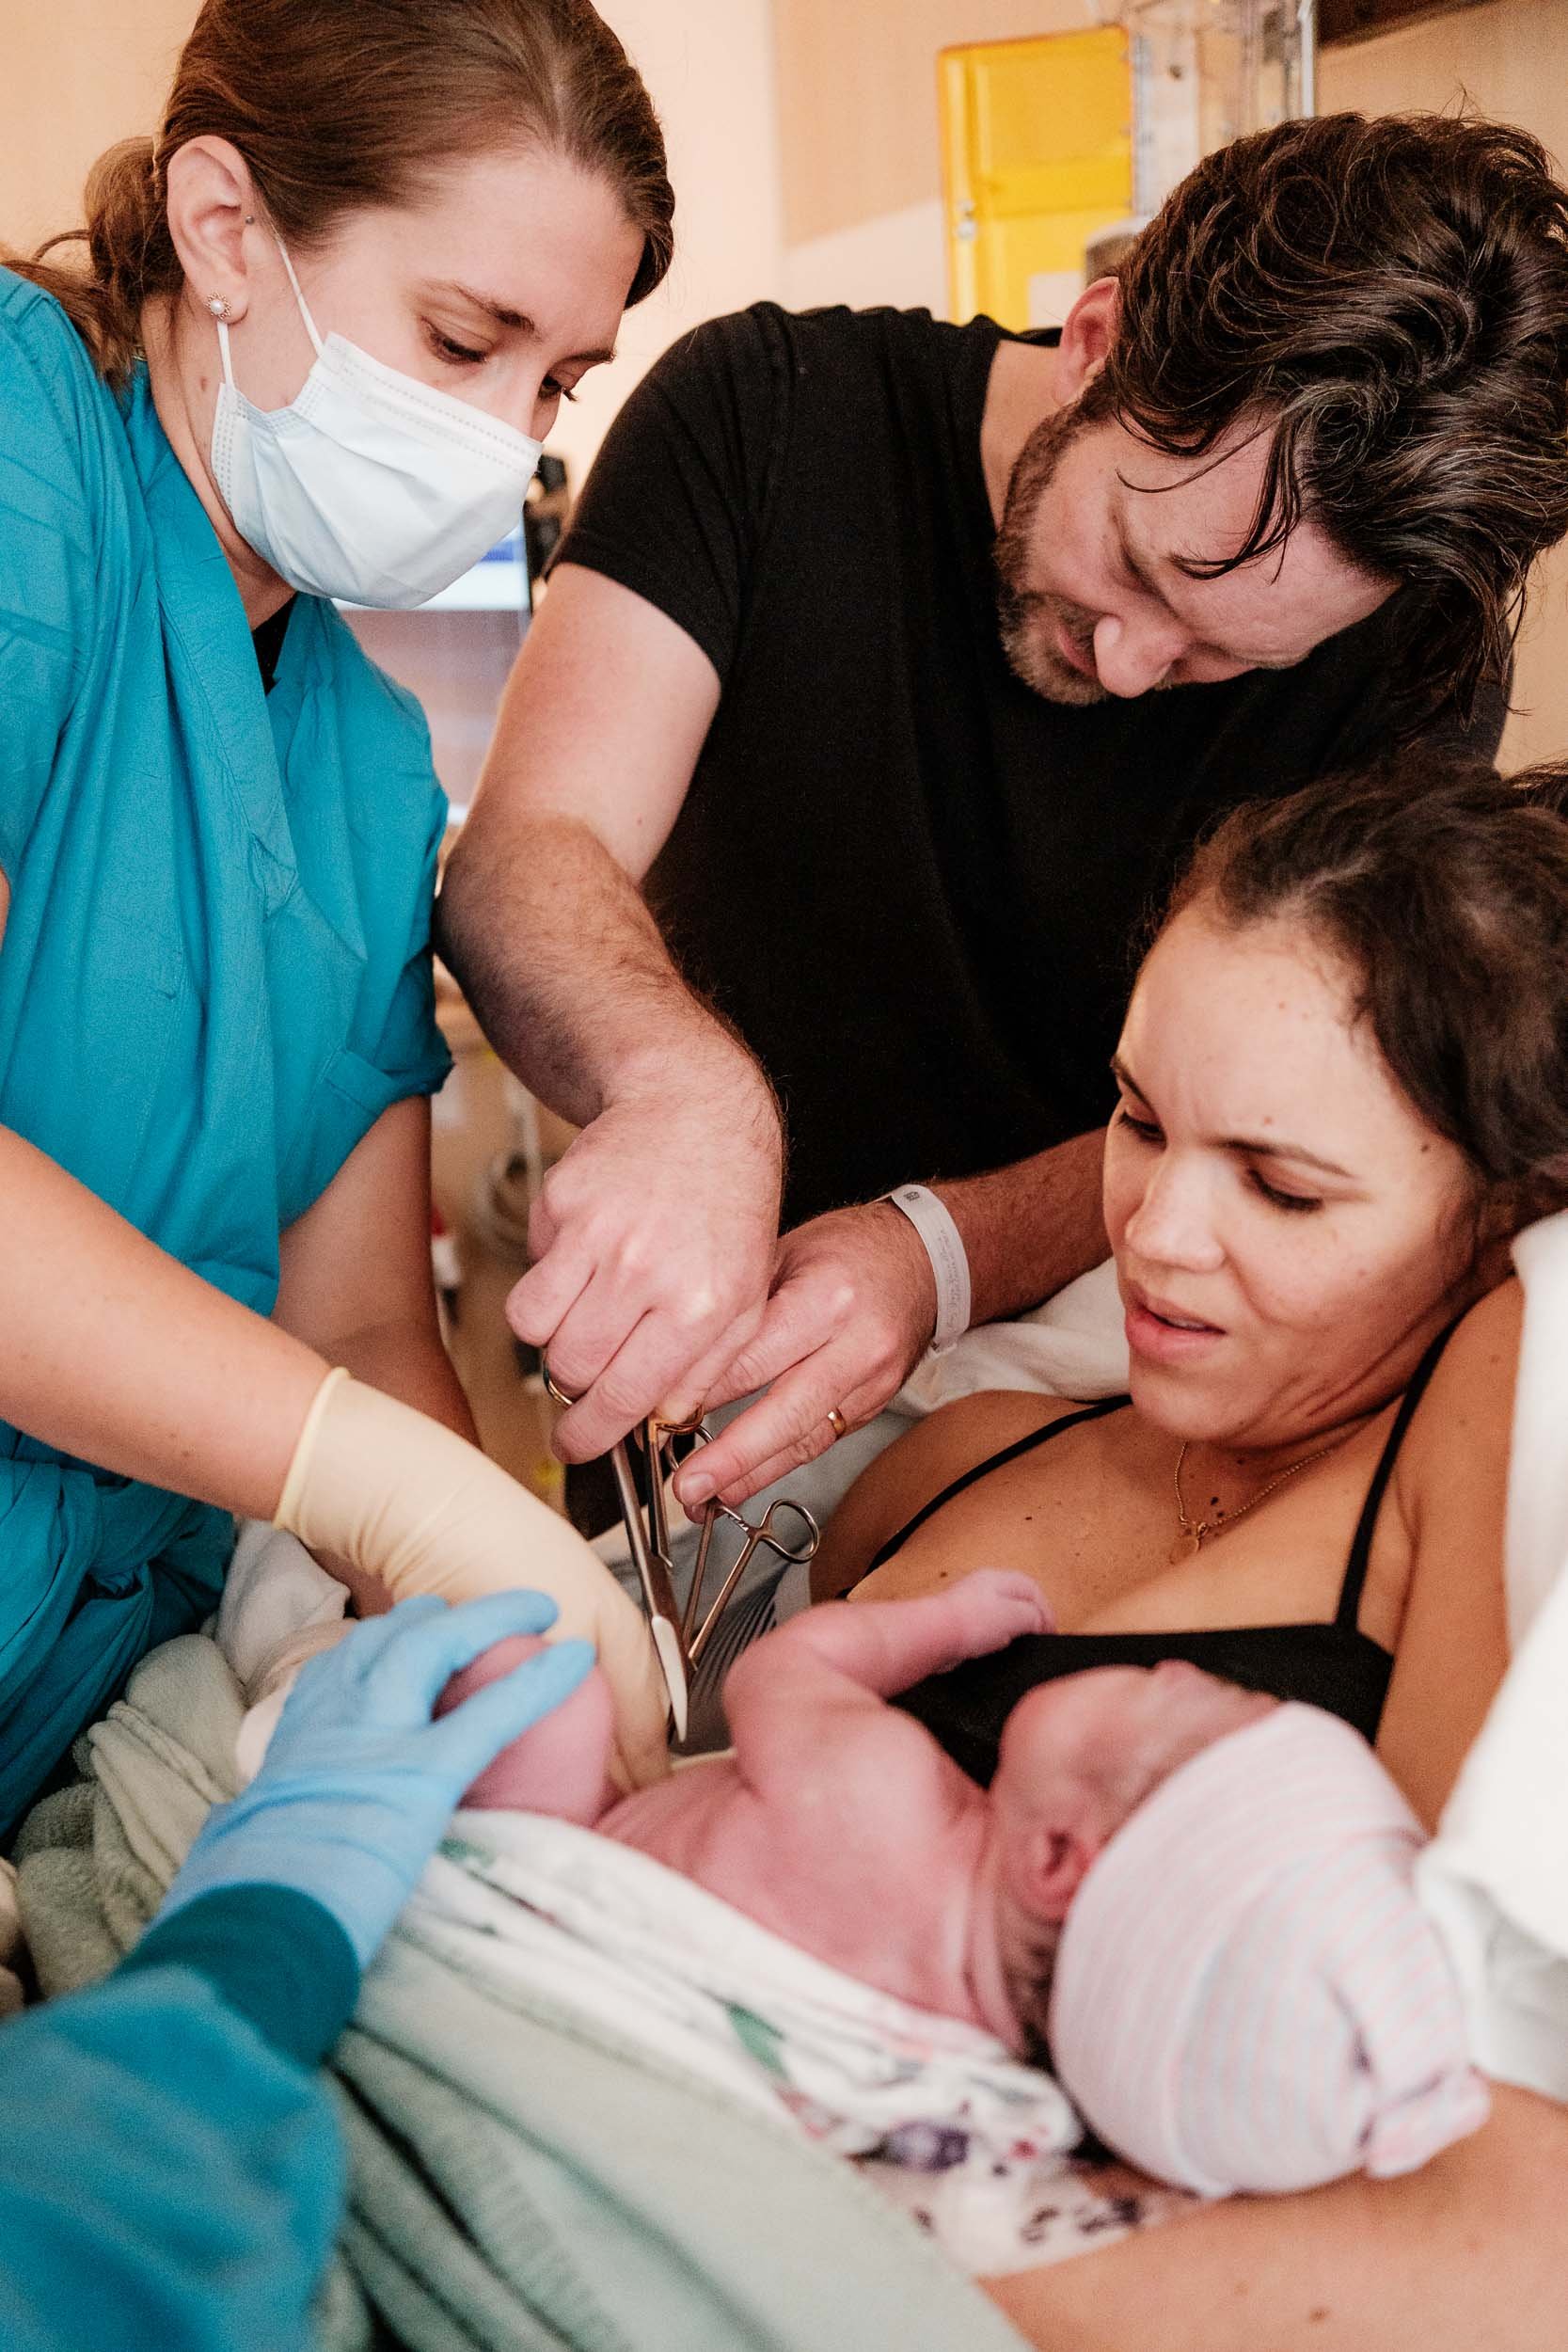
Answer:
(1049, 1856)
(1063, 1860)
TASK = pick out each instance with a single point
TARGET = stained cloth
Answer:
(618, 1937)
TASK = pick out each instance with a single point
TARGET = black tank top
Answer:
(1335, 1666)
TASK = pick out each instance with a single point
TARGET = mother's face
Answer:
(1289, 1233)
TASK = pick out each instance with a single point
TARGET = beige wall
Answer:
(79, 76)
(858, 97)
(1509, 59)
(709, 65)
(863, 216)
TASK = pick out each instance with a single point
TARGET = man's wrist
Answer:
(703, 1059)
(943, 1245)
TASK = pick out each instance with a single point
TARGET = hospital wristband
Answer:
(944, 1245)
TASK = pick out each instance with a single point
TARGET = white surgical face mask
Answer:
(369, 485)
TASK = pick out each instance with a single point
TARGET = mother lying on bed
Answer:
(1344, 1085)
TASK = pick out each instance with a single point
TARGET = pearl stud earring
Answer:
(218, 307)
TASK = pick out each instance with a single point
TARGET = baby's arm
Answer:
(833, 1664)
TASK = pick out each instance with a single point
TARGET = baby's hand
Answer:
(973, 1616)
(883, 1647)
(998, 1606)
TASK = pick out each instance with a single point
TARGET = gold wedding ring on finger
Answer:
(837, 1424)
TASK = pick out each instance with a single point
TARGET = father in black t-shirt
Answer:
(852, 653)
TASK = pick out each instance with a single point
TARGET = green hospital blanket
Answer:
(520, 2182)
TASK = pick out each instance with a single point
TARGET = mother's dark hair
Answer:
(1443, 891)
(339, 105)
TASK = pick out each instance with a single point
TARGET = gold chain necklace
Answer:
(1190, 1541)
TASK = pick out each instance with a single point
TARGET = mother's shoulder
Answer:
(1485, 1345)
(1461, 1429)
(1451, 1483)
(968, 1430)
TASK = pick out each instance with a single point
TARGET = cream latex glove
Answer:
(411, 1505)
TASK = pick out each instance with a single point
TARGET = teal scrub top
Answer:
(215, 972)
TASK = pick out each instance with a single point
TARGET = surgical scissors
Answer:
(678, 1638)
(649, 1540)
(757, 1533)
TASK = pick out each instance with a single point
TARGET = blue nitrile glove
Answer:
(358, 1784)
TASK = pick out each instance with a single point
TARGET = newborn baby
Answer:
(1196, 1900)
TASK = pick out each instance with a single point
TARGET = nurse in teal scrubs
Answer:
(322, 320)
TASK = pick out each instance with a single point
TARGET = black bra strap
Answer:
(1361, 1547)
(996, 1462)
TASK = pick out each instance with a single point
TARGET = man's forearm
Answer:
(563, 965)
(1030, 1228)
(651, 1237)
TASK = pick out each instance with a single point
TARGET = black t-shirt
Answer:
(915, 886)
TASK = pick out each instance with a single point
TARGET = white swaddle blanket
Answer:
(1496, 1876)
(937, 2115)
(657, 1959)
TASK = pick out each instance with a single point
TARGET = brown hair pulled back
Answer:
(1443, 891)
(1387, 300)
(337, 105)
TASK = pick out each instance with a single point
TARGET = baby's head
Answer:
(1205, 1914)
(1079, 1756)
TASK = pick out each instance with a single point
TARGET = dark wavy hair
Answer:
(1443, 891)
(1387, 300)
(337, 105)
